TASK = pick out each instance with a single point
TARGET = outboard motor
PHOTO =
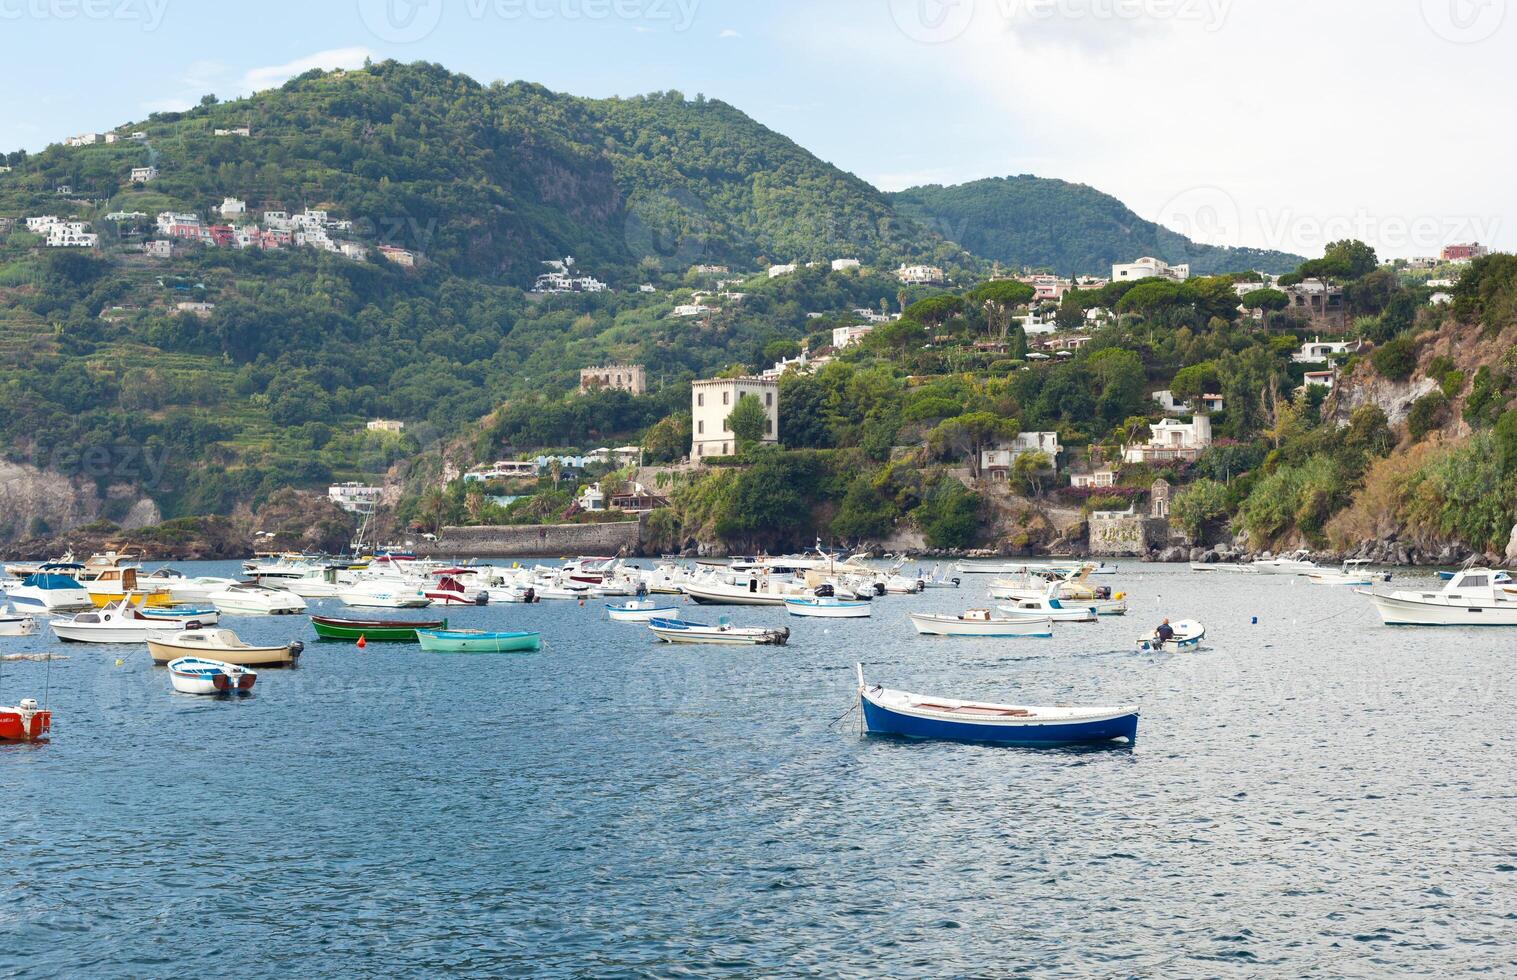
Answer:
(482, 599)
(957, 582)
(921, 586)
(531, 596)
(296, 649)
(825, 592)
(879, 589)
(1103, 593)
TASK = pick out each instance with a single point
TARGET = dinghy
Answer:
(204, 615)
(1187, 638)
(224, 645)
(25, 722)
(979, 623)
(916, 716)
(641, 611)
(475, 641)
(372, 631)
(824, 607)
(678, 631)
(1473, 598)
(16, 624)
(210, 678)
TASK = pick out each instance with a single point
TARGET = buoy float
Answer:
(363, 642)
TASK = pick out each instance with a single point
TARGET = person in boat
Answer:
(1165, 632)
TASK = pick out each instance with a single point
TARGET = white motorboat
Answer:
(829, 607)
(254, 600)
(210, 678)
(16, 624)
(384, 594)
(641, 611)
(50, 592)
(680, 632)
(183, 588)
(980, 623)
(1187, 637)
(1299, 563)
(316, 583)
(117, 623)
(1050, 607)
(1473, 598)
(514, 593)
(1355, 572)
(1107, 607)
(749, 591)
(1233, 567)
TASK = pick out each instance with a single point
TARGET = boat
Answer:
(449, 591)
(1072, 588)
(111, 585)
(1473, 598)
(1187, 639)
(1299, 563)
(246, 599)
(1502, 578)
(204, 615)
(317, 583)
(980, 623)
(25, 722)
(372, 631)
(1354, 572)
(825, 607)
(750, 591)
(225, 645)
(476, 641)
(640, 611)
(1236, 568)
(51, 592)
(16, 624)
(679, 631)
(192, 675)
(182, 588)
(120, 623)
(1052, 608)
(384, 594)
(1107, 607)
(915, 716)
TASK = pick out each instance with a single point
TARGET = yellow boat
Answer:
(116, 584)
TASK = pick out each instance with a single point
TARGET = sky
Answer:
(1272, 123)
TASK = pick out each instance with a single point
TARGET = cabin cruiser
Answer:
(1354, 572)
(1473, 598)
(51, 592)
(182, 588)
(247, 599)
(1299, 563)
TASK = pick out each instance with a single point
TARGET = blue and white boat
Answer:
(679, 631)
(641, 611)
(51, 592)
(829, 607)
(204, 615)
(916, 716)
(1502, 578)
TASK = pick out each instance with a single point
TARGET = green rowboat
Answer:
(371, 631)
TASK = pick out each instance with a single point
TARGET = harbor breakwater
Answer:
(537, 541)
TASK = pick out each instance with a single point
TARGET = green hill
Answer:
(1069, 228)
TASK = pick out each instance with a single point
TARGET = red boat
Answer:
(449, 591)
(24, 724)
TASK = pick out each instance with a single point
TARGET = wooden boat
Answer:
(16, 624)
(120, 623)
(1473, 598)
(192, 675)
(979, 623)
(679, 631)
(475, 641)
(1188, 637)
(372, 631)
(25, 722)
(111, 585)
(640, 611)
(824, 607)
(224, 645)
(916, 716)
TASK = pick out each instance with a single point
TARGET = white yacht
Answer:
(1473, 598)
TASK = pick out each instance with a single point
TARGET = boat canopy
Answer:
(50, 583)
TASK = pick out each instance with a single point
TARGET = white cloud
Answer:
(729, 32)
(213, 77)
(273, 76)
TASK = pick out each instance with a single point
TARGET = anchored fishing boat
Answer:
(640, 611)
(679, 631)
(474, 641)
(225, 645)
(917, 716)
(25, 723)
(210, 678)
(372, 631)
(1473, 598)
(1187, 638)
(825, 607)
(120, 623)
(981, 624)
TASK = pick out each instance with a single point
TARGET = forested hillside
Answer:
(1069, 228)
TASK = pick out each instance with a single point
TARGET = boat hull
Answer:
(880, 720)
(445, 642)
(371, 632)
(18, 626)
(697, 634)
(24, 726)
(108, 635)
(640, 615)
(838, 610)
(706, 596)
(164, 653)
(1039, 629)
(1401, 612)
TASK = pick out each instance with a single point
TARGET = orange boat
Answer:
(25, 724)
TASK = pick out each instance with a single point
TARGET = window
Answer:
(726, 451)
(769, 399)
(701, 427)
(700, 401)
(769, 426)
(726, 398)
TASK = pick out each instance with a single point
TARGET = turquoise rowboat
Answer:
(474, 641)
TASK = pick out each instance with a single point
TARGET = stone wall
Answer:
(548, 541)
(1129, 536)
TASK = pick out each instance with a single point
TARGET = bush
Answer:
(1428, 413)
(1396, 359)
(1198, 505)
(950, 517)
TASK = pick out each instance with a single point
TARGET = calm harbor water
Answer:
(1314, 794)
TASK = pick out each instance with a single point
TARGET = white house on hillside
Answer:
(1149, 267)
(712, 402)
(1319, 350)
(997, 463)
(1173, 441)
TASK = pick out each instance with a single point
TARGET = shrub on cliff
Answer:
(1396, 359)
